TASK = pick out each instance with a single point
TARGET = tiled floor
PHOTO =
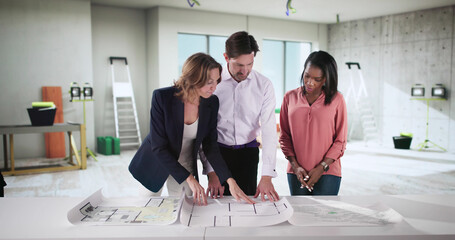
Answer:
(366, 171)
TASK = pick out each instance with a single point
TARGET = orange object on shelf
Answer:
(55, 142)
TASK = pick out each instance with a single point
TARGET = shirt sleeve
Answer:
(285, 135)
(206, 167)
(268, 131)
(338, 147)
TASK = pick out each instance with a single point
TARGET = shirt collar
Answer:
(225, 75)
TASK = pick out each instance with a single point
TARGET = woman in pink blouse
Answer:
(313, 121)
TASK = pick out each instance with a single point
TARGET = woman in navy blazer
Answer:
(189, 101)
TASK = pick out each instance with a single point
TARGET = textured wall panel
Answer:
(365, 32)
(412, 48)
(439, 109)
(433, 24)
(396, 104)
(432, 62)
(339, 35)
(418, 109)
(402, 68)
(418, 130)
(386, 36)
(438, 132)
(403, 27)
(342, 55)
(369, 59)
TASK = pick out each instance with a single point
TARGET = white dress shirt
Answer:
(247, 110)
(189, 135)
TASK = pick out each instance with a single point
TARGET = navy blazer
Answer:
(157, 157)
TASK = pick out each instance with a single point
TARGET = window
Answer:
(189, 44)
(283, 64)
(217, 48)
(282, 60)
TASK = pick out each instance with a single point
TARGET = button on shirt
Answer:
(247, 110)
(312, 133)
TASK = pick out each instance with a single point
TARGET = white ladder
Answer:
(357, 90)
(126, 121)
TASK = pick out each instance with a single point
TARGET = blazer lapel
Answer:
(177, 113)
(204, 114)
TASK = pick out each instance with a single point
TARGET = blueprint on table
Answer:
(227, 212)
(97, 210)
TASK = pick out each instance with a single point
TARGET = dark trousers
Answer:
(327, 185)
(243, 164)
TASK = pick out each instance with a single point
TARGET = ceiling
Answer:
(318, 11)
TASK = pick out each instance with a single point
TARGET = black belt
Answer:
(251, 144)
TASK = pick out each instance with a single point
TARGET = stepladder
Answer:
(357, 96)
(125, 111)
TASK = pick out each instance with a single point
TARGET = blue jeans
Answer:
(327, 185)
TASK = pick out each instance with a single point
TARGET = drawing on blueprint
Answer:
(228, 212)
(96, 210)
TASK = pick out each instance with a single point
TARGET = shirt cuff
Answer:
(269, 170)
(335, 155)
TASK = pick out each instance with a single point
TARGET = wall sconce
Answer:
(418, 90)
(438, 90)
(87, 90)
(75, 91)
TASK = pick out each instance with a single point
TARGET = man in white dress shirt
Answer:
(247, 110)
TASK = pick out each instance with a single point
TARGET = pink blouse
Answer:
(313, 133)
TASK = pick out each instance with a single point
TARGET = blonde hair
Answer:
(195, 74)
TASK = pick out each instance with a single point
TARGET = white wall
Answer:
(119, 32)
(43, 43)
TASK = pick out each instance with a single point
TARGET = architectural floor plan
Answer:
(227, 212)
(97, 210)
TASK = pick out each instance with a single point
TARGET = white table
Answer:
(45, 218)
(425, 217)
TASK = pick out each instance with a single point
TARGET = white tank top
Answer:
(189, 135)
